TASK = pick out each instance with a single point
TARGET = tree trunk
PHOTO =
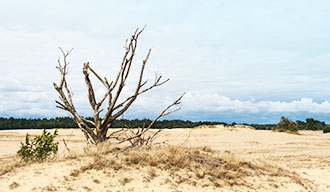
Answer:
(114, 89)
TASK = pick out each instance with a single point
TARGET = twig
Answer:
(66, 146)
(186, 140)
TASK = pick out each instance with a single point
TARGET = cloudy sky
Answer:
(243, 61)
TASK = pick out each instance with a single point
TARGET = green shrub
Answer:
(326, 129)
(286, 125)
(39, 147)
(311, 124)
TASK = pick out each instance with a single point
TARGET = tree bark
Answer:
(97, 133)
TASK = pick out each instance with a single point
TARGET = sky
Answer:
(237, 61)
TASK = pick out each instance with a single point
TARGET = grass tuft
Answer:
(192, 166)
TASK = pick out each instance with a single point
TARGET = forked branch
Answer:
(96, 129)
(138, 135)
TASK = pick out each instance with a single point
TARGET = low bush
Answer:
(39, 147)
(286, 125)
(326, 129)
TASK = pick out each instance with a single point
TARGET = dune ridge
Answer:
(235, 158)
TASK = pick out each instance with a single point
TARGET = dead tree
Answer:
(96, 130)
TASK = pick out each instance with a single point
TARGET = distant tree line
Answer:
(308, 124)
(67, 122)
(311, 124)
(262, 126)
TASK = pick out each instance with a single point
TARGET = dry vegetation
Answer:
(212, 159)
(201, 167)
(172, 167)
(10, 165)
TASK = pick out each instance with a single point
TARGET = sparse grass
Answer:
(125, 180)
(10, 166)
(71, 155)
(49, 188)
(205, 126)
(294, 132)
(87, 188)
(192, 166)
(69, 188)
(176, 165)
(287, 131)
(152, 173)
(14, 185)
(96, 181)
(207, 149)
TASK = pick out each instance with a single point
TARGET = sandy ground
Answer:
(307, 155)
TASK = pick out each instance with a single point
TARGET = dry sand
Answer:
(305, 159)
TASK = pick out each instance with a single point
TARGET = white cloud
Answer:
(214, 102)
(303, 105)
(28, 102)
(205, 49)
(10, 84)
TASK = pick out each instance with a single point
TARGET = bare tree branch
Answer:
(162, 114)
(100, 126)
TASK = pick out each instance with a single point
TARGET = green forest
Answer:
(67, 122)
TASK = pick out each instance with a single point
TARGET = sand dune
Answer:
(230, 159)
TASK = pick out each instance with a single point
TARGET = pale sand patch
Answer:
(307, 154)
